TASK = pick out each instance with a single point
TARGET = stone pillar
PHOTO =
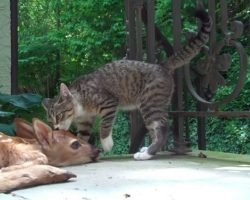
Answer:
(5, 47)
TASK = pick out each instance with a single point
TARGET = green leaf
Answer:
(6, 114)
(24, 101)
(8, 129)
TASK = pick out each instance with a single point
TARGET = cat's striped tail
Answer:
(193, 47)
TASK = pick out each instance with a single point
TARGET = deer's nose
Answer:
(96, 153)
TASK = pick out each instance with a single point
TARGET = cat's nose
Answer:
(56, 127)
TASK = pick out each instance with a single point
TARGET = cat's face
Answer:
(60, 110)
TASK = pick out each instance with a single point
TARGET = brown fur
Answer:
(39, 144)
(26, 160)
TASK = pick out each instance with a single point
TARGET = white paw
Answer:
(142, 154)
(107, 143)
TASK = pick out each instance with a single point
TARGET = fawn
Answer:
(26, 160)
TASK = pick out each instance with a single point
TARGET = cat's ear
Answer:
(64, 91)
(46, 103)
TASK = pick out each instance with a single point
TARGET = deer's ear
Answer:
(43, 132)
(24, 129)
(64, 91)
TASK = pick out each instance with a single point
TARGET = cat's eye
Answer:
(59, 116)
(75, 145)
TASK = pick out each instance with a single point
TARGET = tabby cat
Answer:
(129, 85)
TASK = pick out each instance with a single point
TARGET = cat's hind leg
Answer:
(158, 133)
(155, 119)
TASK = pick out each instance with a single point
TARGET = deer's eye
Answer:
(75, 145)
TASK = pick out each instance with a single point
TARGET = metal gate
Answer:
(208, 73)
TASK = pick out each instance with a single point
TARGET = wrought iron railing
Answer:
(208, 71)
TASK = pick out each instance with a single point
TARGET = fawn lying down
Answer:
(37, 144)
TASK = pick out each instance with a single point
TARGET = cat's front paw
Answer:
(142, 154)
(107, 143)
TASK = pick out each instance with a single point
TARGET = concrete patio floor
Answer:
(219, 176)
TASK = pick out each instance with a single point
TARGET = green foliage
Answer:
(121, 134)
(8, 129)
(24, 101)
(226, 135)
(229, 135)
(60, 40)
(23, 105)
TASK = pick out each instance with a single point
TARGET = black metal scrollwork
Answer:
(216, 63)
